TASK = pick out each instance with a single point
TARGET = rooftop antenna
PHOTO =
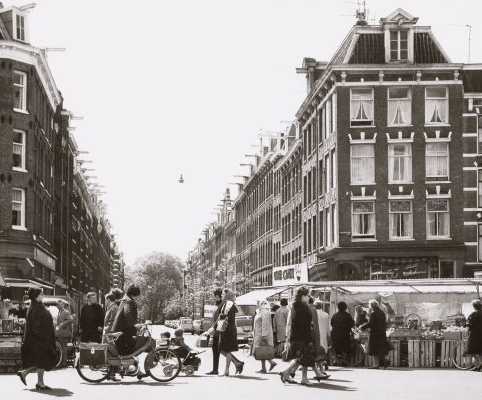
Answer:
(361, 12)
(470, 36)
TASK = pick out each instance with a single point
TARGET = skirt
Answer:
(303, 352)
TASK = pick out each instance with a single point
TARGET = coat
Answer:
(280, 322)
(65, 323)
(228, 340)
(377, 339)
(124, 322)
(474, 341)
(323, 327)
(91, 319)
(301, 334)
(263, 327)
(38, 347)
(341, 324)
(109, 318)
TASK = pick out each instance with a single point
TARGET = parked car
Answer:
(206, 323)
(196, 324)
(186, 325)
(244, 328)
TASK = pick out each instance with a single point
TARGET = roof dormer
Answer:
(14, 23)
(399, 36)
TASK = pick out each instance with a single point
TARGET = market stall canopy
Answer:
(254, 296)
(25, 283)
(2, 281)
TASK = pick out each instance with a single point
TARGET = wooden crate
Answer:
(428, 356)
(447, 353)
(413, 353)
(394, 355)
(464, 361)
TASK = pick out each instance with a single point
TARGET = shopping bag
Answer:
(222, 325)
(93, 354)
(264, 352)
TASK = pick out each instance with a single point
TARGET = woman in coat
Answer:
(279, 325)
(38, 348)
(474, 342)
(228, 339)
(263, 332)
(111, 308)
(301, 337)
(323, 321)
(341, 324)
(377, 339)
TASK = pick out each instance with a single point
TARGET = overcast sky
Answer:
(184, 86)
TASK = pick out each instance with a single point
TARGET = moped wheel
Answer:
(93, 374)
(58, 354)
(162, 365)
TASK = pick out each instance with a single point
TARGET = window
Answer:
(479, 188)
(398, 45)
(361, 107)
(399, 106)
(20, 27)
(18, 208)
(333, 177)
(479, 135)
(328, 121)
(401, 219)
(436, 105)
(362, 163)
(363, 219)
(18, 150)
(20, 90)
(479, 242)
(438, 218)
(399, 162)
(437, 161)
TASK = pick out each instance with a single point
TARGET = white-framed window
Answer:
(362, 163)
(399, 106)
(18, 208)
(479, 134)
(438, 218)
(479, 188)
(20, 27)
(399, 162)
(398, 45)
(401, 219)
(363, 219)
(18, 150)
(437, 161)
(361, 107)
(436, 105)
(20, 90)
(328, 121)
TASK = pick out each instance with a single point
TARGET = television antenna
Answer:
(470, 36)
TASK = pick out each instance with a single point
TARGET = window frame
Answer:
(22, 210)
(23, 90)
(362, 122)
(390, 101)
(447, 108)
(23, 28)
(398, 212)
(368, 236)
(398, 41)
(427, 212)
(23, 167)
(391, 173)
(434, 178)
(372, 157)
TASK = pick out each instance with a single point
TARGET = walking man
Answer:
(91, 320)
(63, 329)
(218, 293)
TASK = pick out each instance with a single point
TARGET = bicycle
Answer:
(161, 363)
(462, 361)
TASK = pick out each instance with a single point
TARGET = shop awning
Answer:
(254, 296)
(25, 283)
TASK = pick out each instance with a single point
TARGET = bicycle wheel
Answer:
(58, 354)
(461, 361)
(357, 357)
(93, 374)
(162, 365)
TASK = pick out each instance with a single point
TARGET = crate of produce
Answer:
(406, 333)
(452, 335)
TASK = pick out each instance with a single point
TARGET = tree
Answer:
(159, 277)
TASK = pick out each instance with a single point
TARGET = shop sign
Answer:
(290, 274)
(43, 258)
(209, 310)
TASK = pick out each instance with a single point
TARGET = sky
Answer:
(173, 87)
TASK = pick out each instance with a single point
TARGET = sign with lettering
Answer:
(290, 274)
(44, 258)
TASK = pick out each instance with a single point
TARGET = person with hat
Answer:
(38, 347)
(63, 329)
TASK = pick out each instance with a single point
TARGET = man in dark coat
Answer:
(474, 342)
(126, 322)
(341, 324)
(377, 340)
(91, 320)
(219, 303)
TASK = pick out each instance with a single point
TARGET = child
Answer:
(178, 340)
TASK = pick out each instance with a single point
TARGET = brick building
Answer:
(40, 200)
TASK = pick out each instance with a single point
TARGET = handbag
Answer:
(264, 352)
(286, 353)
(221, 325)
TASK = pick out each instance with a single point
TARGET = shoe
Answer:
(225, 374)
(272, 366)
(261, 371)
(286, 379)
(305, 383)
(292, 374)
(22, 378)
(114, 379)
(239, 368)
(321, 378)
(212, 373)
(42, 387)
(140, 376)
(476, 369)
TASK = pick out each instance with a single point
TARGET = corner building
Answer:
(382, 161)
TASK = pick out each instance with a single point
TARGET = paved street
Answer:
(344, 384)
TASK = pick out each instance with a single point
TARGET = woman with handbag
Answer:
(263, 337)
(226, 326)
(378, 346)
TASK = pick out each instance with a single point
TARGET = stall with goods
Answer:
(11, 331)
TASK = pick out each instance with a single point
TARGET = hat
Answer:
(62, 301)
(33, 293)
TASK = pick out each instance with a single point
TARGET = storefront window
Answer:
(402, 267)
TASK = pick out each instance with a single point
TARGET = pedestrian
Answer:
(38, 347)
(118, 294)
(111, 308)
(263, 332)
(474, 341)
(323, 330)
(218, 293)
(228, 339)
(91, 320)
(300, 337)
(279, 325)
(360, 316)
(341, 324)
(377, 339)
(64, 328)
